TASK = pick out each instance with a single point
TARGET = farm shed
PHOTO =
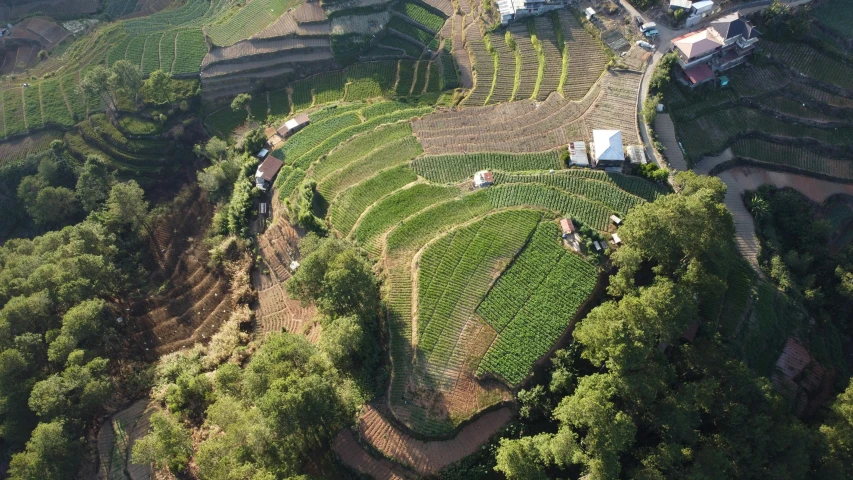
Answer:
(616, 239)
(616, 220)
(676, 4)
(568, 226)
(577, 154)
(607, 148)
(294, 125)
(263, 154)
(597, 245)
(266, 172)
(637, 154)
(589, 12)
(483, 178)
(798, 376)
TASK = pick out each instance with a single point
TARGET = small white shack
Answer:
(637, 154)
(607, 148)
(483, 178)
(577, 154)
(293, 125)
(589, 12)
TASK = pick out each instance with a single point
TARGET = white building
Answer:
(577, 154)
(607, 148)
(483, 178)
(511, 9)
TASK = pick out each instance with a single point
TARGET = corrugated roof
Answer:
(269, 168)
(567, 225)
(608, 145)
(681, 4)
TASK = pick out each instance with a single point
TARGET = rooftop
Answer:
(608, 145)
(269, 168)
(699, 73)
(733, 25)
(698, 43)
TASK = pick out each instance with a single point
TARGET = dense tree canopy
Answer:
(658, 407)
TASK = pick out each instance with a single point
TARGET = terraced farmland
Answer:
(533, 303)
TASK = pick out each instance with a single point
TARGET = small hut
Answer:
(483, 178)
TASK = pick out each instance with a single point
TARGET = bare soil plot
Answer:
(198, 300)
(616, 107)
(529, 61)
(460, 53)
(553, 58)
(445, 6)
(49, 31)
(505, 74)
(353, 455)
(427, 457)
(56, 8)
(275, 311)
(309, 12)
(534, 127)
(586, 60)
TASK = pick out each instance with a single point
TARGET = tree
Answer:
(93, 183)
(837, 433)
(80, 323)
(49, 455)
(521, 459)
(53, 206)
(99, 83)
(75, 393)
(347, 344)
(758, 206)
(167, 445)
(160, 86)
(128, 79)
(126, 205)
(338, 279)
(242, 101)
(214, 150)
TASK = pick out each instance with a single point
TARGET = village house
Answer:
(726, 43)
(607, 150)
(512, 9)
(267, 171)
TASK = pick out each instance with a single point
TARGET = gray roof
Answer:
(732, 25)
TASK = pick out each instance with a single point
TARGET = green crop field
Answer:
(456, 271)
(396, 208)
(533, 303)
(406, 28)
(837, 15)
(252, 18)
(349, 205)
(429, 18)
(456, 168)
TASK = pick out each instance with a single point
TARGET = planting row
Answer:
(532, 304)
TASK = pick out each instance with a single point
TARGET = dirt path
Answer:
(665, 130)
(424, 457)
(741, 179)
(356, 457)
(706, 164)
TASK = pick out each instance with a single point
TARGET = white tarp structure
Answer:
(607, 146)
(577, 154)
